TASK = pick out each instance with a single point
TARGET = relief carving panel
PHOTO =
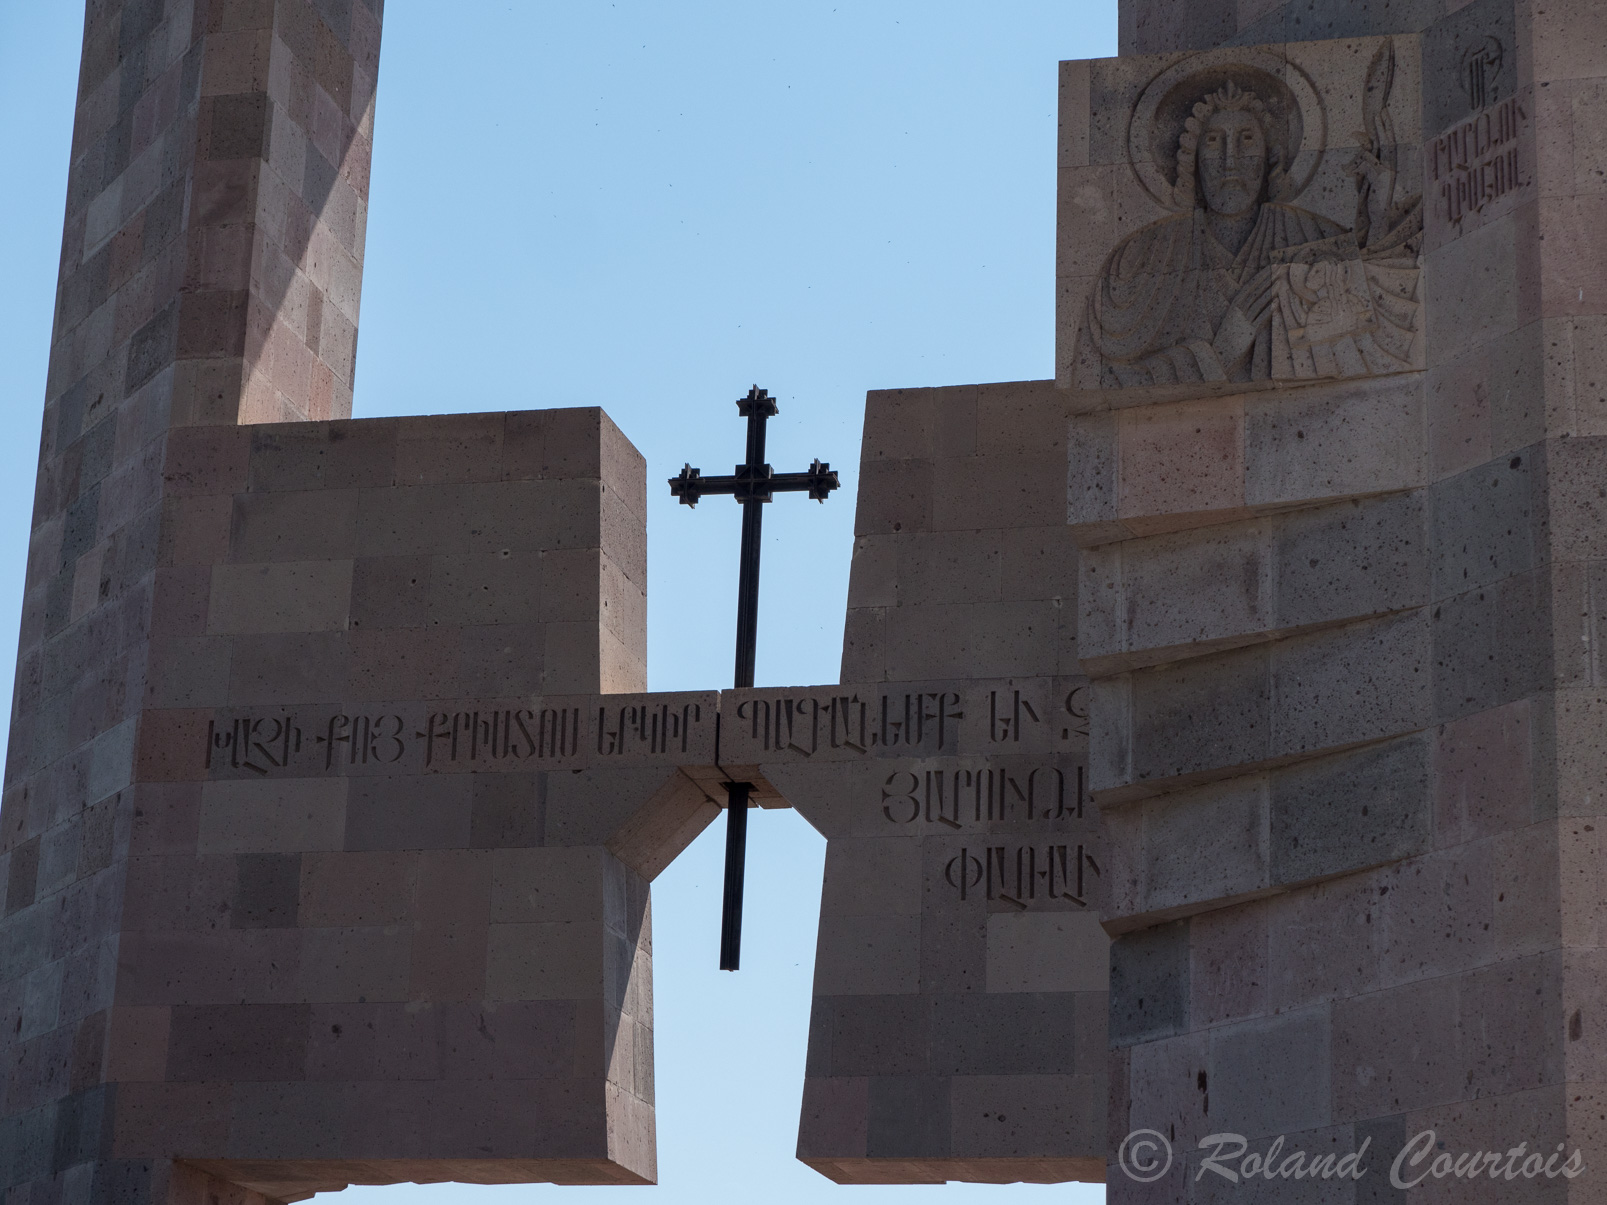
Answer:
(1239, 280)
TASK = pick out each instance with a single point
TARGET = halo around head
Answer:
(1291, 111)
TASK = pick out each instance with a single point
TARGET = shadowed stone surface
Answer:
(1340, 636)
(958, 1029)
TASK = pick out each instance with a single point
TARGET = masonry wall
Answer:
(219, 166)
(956, 1034)
(343, 958)
(1346, 715)
(1158, 26)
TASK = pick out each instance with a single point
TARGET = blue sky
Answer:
(649, 207)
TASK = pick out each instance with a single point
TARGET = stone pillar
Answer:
(302, 886)
(958, 1029)
(210, 272)
(1338, 608)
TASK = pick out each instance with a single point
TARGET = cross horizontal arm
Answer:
(748, 485)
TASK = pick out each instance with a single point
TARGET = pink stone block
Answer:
(356, 889)
(172, 745)
(448, 963)
(157, 1118)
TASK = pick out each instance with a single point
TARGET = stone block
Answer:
(1363, 557)
(344, 963)
(1172, 1077)
(1383, 1063)
(1210, 712)
(871, 877)
(353, 890)
(545, 885)
(885, 1036)
(411, 663)
(248, 816)
(302, 525)
(908, 1117)
(1357, 809)
(894, 496)
(558, 960)
(1030, 1116)
(1149, 984)
(1484, 521)
(874, 955)
(949, 567)
(1046, 952)
(409, 812)
(1211, 843)
(1438, 914)
(1483, 767)
(1229, 965)
(1007, 1035)
(834, 1119)
(239, 1042)
(1491, 646)
(437, 449)
(1182, 459)
(1362, 440)
(1272, 1076)
(290, 596)
(294, 668)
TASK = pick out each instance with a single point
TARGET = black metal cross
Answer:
(753, 484)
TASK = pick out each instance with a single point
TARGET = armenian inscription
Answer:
(548, 733)
(950, 718)
(1477, 163)
(991, 774)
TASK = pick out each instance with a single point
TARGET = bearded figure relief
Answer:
(1239, 284)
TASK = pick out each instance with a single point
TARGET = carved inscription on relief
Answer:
(1476, 163)
(552, 733)
(991, 775)
(1022, 875)
(1239, 283)
(848, 722)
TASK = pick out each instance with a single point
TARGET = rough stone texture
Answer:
(254, 920)
(958, 1029)
(369, 922)
(1159, 26)
(209, 272)
(1342, 634)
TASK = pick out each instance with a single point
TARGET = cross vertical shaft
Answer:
(753, 484)
(758, 412)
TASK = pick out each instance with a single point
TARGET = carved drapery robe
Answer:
(1336, 310)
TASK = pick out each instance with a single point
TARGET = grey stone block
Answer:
(1492, 645)
(1484, 524)
(1149, 984)
(1358, 809)
(1005, 1034)
(879, 1035)
(1355, 558)
(1211, 712)
(268, 891)
(909, 1117)
(1360, 682)
(432, 811)
(507, 810)
(1272, 1076)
